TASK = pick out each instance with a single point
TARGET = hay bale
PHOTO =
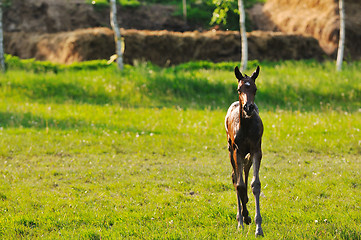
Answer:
(164, 47)
(275, 46)
(160, 47)
(65, 47)
(317, 18)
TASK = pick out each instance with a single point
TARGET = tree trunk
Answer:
(184, 10)
(117, 36)
(2, 60)
(341, 42)
(242, 25)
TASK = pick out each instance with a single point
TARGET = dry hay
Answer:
(317, 18)
(163, 47)
(160, 47)
(66, 47)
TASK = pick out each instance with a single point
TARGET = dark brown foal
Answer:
(244, 132)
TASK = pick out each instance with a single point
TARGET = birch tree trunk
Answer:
(2, 59)
(117, 36)
(244, 45)
(184, 10)
(341, 42)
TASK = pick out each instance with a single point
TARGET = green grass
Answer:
(101, 4)
(141, 154)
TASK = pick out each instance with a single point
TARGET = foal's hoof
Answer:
(240, 226)
(240, 223)
(247, 220)
(259, 232)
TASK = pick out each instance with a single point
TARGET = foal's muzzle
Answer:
(249, 108)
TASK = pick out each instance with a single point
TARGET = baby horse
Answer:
(244, 132)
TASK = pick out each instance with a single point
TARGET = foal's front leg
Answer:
(256, 189)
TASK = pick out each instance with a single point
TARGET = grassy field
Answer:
(89, 153)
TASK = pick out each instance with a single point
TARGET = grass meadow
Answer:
(94, 153)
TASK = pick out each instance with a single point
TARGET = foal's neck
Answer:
(243, 121)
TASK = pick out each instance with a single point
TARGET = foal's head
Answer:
(247, 91)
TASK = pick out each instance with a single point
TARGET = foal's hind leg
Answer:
(235, 177)
(242, 212)
(247, 166)
(256, 189)
(241, 188)
(239, 206)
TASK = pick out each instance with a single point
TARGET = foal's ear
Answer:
(238, 74)
(255, 74)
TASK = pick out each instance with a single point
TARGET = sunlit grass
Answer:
(141, 154)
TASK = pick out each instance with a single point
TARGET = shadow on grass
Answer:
(308, 100)
(193, 92)
(59, 92)
(153, 87)
(190, 92)
(29, 120)
(200, 93)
